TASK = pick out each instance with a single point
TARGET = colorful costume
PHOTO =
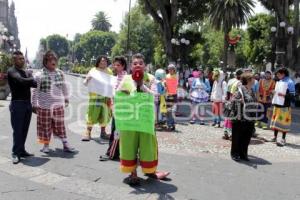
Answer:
(99, 109)
(266, 88)
(282, 114)
(232, 87)
(171, 99)
(49, 99)
(138, 147)
(218, 96)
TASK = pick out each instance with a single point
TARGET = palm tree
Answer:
(226, 14)
(101, 22)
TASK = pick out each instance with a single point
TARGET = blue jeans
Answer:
(20, 117)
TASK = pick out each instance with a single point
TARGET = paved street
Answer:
(196, 156)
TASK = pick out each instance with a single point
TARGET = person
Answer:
(20, 81)
(297, 82)
(48, 100)
(99, 108)
(171, 96)
(282, 114)
(199, 93)
(266, 87)
(243, 123)
(120, 69)
(160, 98)
(232, 87)
(218, 96)
(140, 146)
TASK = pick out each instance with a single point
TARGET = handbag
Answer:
(231, 107)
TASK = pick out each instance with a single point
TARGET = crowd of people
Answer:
(239, 102)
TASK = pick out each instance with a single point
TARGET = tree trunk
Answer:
(225, 57)
(166, 21)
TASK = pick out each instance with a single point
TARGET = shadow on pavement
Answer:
(100, 141)
(59, 153)
(152, 186)
(35, 161)
(293, 146)
(255, 161)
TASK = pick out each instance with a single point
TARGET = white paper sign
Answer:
(281, 87)
(102, 83)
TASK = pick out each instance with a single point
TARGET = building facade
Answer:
(8, 19)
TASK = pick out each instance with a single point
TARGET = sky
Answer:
(39, 18)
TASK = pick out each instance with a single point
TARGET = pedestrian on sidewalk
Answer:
(200, 90)
(171, 96)
(218, 96)
(99, 108)
(160, 98)
(20, 81)
(113, 152)
(49, 100)
(243, 124)
(282, 113)
(138, 147)
(266, 87)
(232, 87)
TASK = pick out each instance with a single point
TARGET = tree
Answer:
(58, 44)
(226, 14)
(95, 43)
(142, 35)
(101, 22)
(171, 14)
(282, 12)
(259, 46)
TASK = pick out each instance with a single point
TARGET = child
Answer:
(218, 96)
(171, 83)
(99, 109)
(199, 93)
(49, 99)
(160, 100)
(140, 146)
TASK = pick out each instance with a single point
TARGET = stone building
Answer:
(9, 20)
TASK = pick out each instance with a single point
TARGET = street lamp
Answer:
(93, 59)
(177, 42)
(281, 42)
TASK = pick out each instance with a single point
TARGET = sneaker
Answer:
(86, 137)
(274, 139)
(104, 136)
(202, 123)
(281, 143)
(45, 149)
(15, 159)
(217, 126)
(192, 121)
(214, 124)
(68, 149)
(226, 136)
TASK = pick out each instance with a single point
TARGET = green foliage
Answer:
(5, 62)
(58, 44)
(259, 43)
(101, 22)
(63, 62)
(212, 47)
(81, 69)
(142, 35)
(227, 14)
(95, 43)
